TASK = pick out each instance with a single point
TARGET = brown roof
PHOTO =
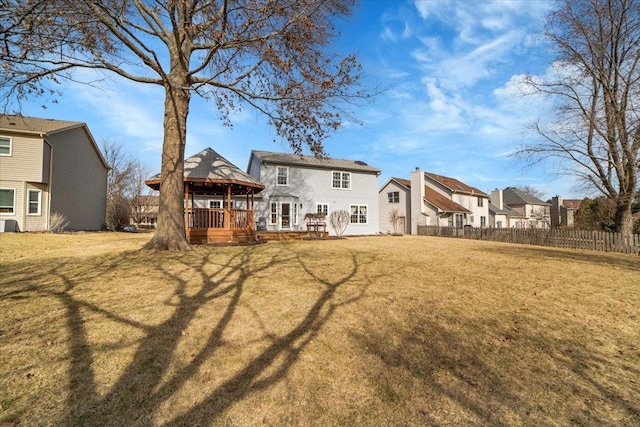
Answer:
(34, 124)
(572, 203)
(405, 182)
(442, 202)
(455, 185)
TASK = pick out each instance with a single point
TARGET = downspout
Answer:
(49, 185)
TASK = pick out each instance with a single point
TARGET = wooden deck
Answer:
(220, 226)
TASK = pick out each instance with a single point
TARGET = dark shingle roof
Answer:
(34, 124)
(515, 197)
(313, 162)
(210, 166)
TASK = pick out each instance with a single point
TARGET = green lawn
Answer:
(384, 331)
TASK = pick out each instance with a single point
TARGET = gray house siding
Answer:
(385, 207)
(78, 192)
(308, 187)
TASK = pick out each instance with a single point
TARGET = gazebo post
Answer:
(186, 209)
(228, 224)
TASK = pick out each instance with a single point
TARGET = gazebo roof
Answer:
(209, 173)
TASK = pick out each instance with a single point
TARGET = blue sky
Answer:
(452, 105)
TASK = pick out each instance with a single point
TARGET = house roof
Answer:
(313, 162)
(512, 213)
(455, 185)
(572, 203)
(210, 167)
(442, 202)
(19, 123)
(43, 127)
(402, 181)
(515, 197)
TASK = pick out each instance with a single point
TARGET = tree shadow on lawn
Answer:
(613, 259)
(468, 373)
(148, 382)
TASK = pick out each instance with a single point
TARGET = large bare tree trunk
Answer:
(624, 220)
(170, 233)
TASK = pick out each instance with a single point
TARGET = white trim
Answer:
(358, 214)
(14, 202)
(10, 146)
(286, 168)
(342, 174)
(322, 204)
(39, 212)
(281, 216)
(295, 214)
(273, 216)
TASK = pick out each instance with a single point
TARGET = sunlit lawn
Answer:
(384, 331)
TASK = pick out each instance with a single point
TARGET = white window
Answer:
(341, 180)
(480, 202)
(459, 220)
(215, 204)
(358, 214)
(7, 201)
(322, 208)
(282, 175)
(295, 214)
(35, 198)
(5, 146)
(393, 196)
(483, 221)
(273, 217)
(450, 221)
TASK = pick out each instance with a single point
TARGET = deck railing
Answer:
(240, 219)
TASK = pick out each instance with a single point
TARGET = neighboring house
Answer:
(563, 212)
(144, 211)
(297, 185)
(501, 215)
(446, 202)
(46, 167)
(431, 199)
(395, 196)
(532, 212)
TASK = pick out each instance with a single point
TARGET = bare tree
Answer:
(532, 191)
(339, 220)
(142, 199)
(596, 87)
(121, 171)
(269, 55)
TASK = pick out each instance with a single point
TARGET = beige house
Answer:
(47, 167)
(531, 211)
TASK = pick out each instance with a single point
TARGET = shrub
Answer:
(57, 222)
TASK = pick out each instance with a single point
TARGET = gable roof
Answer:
(572, 203)
(19, 123)
(442, 202)
(506, 210)
(43, 127)
(209, 166)
(267, 157)
(515, 197)
(455, 185)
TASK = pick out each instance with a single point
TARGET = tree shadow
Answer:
(150, 377)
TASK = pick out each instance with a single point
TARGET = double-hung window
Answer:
(358, 214)
(393, 197)
(273, 213)
(35, 200)
(5, 146)
(322, 208)
(282, 173)
(480, 202)
(7, 201)
(341, 180)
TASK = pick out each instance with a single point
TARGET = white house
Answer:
(297, 185)
(446, 202)
(531, 211)
(394, 206)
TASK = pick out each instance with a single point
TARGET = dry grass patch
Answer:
(362, 331)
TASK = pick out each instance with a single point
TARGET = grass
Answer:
(361, 331)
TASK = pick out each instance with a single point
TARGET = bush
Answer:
(57, 222)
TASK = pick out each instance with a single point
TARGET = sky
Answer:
(453, 100)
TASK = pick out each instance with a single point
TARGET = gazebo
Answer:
(209, 174)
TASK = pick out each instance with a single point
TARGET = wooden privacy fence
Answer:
(559, 238)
